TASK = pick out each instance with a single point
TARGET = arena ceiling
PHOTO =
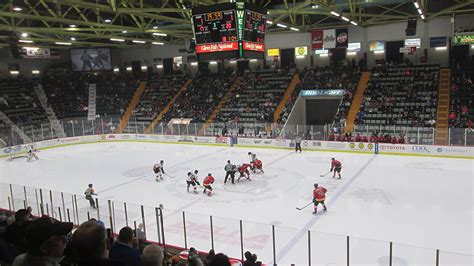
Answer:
(132, 23)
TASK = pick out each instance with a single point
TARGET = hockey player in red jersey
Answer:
(319, 196)
(337, 166)
(207, 184)
(258, 165)
(244, 171)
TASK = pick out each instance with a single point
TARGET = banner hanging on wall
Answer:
(438, 42)
(342, 38)
(463, 39)
(329, 40)
(317, 39)
(301, 51)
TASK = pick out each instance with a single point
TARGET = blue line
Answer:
(312, 221)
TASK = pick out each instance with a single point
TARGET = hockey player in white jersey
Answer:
(32, 154)
(192, 180)
(158, 169)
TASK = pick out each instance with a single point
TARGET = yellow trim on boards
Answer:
(259, 147)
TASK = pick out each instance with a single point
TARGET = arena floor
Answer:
(411, 201)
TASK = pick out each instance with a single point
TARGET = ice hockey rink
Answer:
(419, 203)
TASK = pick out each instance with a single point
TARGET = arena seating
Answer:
(253, 102)
(461, 111)
(400, 100)
(201, 97)
(337, 77)
(157, 94)
(67, 92)
(20, 104)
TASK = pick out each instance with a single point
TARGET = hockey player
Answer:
(319, 196)
(207, 184)
(297, 143)
(337, 166)
(192, 181)
(158, 169)
(258, 165)
(89, 192)
(252, 157)
(244, 170)
(32, 153)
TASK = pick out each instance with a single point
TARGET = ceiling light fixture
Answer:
(422, 16)
(295, 29)
(63, 43)
(138, 41)
(416, 4)
(157, 43)
(335, 13)
(107, 20)
(354, 23)
(72, 26)
(159, 34)
(281, 25)
(269, 22)
(17, 8)
(117, 40)
(25, 41)
(24, 35)
(345, 19)
(73, 39)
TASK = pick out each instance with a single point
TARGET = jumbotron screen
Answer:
(229, 31)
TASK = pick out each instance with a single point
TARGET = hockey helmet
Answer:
(315, 185)
(333, 159)
(196, 171)
(189, 173)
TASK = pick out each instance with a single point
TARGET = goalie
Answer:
(32, 153)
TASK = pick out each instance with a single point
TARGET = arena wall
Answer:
(308, 145)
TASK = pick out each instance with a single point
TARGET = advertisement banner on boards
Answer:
(316, 39)
(342, 38)
(329, 40)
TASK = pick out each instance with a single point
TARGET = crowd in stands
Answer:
(19, 102)
(375, 137)
(257, 96)
(202, 96)
(158, 92)
(344, 75)
(68, 92)
(26, 240)
(461, 110)
(401, 95)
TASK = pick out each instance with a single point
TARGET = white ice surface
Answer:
(411, 201)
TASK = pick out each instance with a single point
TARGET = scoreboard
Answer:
(229, 31)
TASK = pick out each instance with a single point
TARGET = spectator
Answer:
(15, 232)
(152, 255)
(89, 244)
(46, 241)
(220, 260)
(210, 255)
(124, 249)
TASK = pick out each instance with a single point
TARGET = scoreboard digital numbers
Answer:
(215, 27)
(229, 31)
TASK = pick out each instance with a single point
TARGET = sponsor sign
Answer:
(316, 39)
(407, 50)
(321, 51)
(203, 140)
(319, 93)
(185, 139)
(221, 140)
(141, 137)
(454, 150)
(267, 142)
(281, 143)
(301, 51)
(342, 38)
(125, 137)
(329, 40)
(353, 47)
(377, 46)
(273, 52)
(168, 138)
(415, 42)
(111, 137)
(217, 47)
(252, 46)
(335, 145)
(438, 42)
(70, 140)
(420, 149)
(391, 147)
(463, 39)
(316, 143)
(361, 146)
(37, 52)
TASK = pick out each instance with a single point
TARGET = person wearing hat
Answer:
(46, 241)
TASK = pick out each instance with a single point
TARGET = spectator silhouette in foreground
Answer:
(152, 255)
(125, 248)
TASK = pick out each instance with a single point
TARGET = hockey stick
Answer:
(323, 175)
(299, 209)
(169, 175)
